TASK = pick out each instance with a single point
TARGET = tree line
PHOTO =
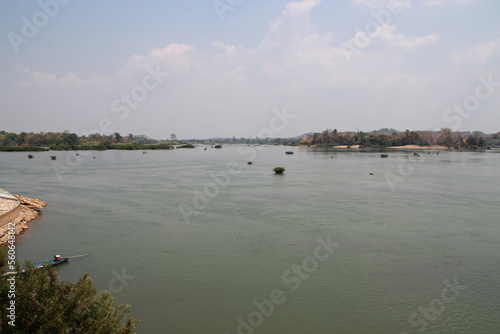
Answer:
(328, 138)
(66, 138)
(71, 141)
(444, 137)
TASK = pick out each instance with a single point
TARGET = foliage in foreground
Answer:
(3, 255)
(45, 305)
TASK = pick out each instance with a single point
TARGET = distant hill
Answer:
(305, 135)
(143, 137)
(384, 131)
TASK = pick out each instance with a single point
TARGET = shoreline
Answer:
(405, 147)
(416, 147)
(19, 210)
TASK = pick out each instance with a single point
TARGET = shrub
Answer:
(21, 149)
(186, 146)
(3, 255)
(279, 170)
(45, 305)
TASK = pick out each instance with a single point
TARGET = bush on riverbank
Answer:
(103, 147)
(43, 304)
(22, 149)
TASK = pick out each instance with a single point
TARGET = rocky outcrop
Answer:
(19, 210)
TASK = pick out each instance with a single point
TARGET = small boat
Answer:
(57, 260)
(53, 262)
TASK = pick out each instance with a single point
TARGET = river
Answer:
(199, 241)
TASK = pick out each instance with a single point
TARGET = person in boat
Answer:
(56, 258)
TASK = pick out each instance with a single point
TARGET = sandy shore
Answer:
(405, 147)
(29, 209)
(345, 146)
(416, 147)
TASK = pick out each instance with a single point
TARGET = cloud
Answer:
(34, 78)
(226, 49)
(294, 64)
(478, 54)
(292, 52)
(383, 39)
(441, 3)
(172, 54)
(387, 33)
(407, 4)
(383, 4)
(291, 28)
(171, 51)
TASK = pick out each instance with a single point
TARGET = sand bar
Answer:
(416, 147)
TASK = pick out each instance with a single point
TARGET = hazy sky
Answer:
(227, 67)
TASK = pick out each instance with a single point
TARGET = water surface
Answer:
(397, 246)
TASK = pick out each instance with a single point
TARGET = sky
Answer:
(224, 68)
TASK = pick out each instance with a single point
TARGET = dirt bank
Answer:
(20, 212)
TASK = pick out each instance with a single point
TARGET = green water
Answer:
(395, 246)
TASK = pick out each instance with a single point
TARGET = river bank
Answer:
(417, 147)
(19, 210)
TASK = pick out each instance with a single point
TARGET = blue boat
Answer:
(57, 260)
(51, 263)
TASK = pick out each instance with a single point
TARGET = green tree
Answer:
(46, 306)
(3, 255)
(10, 139)
(117, 137)
(446, 137)
(69, 138)
(20, 138)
